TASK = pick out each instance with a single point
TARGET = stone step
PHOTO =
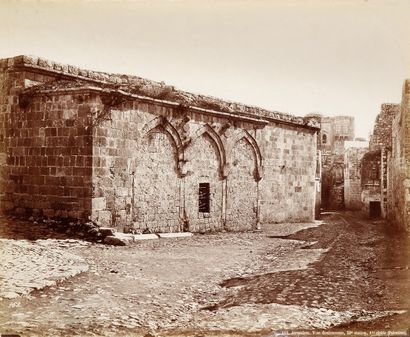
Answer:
(125, 239)
(145, 236)
(174, 235)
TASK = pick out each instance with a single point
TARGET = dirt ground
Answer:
(344, 273)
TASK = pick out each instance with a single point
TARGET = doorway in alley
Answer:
(374, 209)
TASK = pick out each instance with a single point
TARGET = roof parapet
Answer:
(135, 85)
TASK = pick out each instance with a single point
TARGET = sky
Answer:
(334, 57)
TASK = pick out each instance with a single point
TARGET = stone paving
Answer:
(167, 287)
(280, 316)
(26, 266)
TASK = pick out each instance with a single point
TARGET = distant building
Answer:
(396, 185)
(333, 135)
(354, 152)
(334, 132)
(375, 163)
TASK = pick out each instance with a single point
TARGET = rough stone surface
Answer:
(309, 280)
(334, 133)
(138, 237)
(106, 231)
(376, 190)
(140, 86)
(130, 153)
(382, 130)
(371, 181)
(116, 241)
(174, 235)
(26, 266)
(352, 178)
(398, 175)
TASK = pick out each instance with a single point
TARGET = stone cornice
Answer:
(102, 91)
(158, 92)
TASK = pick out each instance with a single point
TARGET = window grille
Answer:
(204, 198)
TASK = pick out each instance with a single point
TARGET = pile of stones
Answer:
(89, 230)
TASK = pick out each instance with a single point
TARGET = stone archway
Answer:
(204, 174)
(242, 187)
(156, 183)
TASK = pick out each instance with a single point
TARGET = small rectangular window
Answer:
(204, 198)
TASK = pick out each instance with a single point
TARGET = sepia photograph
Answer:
(214, 168)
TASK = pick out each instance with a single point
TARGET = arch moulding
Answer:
(207, 131)
(161, 124)
(258, 161)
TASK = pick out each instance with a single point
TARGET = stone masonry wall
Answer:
(5, 109)
(382, 131)
(335, 131)
(49, 157)
(202, 158)
(45, 149)
(289, 174)
(81, 144)
(242, 207)
(156, 186)
(352, 178)
(239, 198)
(370, 173)
(398, 206)
(332, 181)
(381, 140)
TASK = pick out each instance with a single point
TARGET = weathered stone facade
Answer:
(335, 131)
(352, 175)
(137, 154)
(332, 181)
(398, 167)
(375, 177)
(382, 131)
(371, 183)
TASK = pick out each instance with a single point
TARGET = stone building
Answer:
(129, 153)
(375, 163)
(366, 172)
(371, 183)
(398, 167)
(334, 133)
(354, 153)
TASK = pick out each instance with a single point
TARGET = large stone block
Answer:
(115, 241)
(105, 218)
(175, 235)
(98, 204)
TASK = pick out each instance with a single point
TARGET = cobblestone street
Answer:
(297, 276)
